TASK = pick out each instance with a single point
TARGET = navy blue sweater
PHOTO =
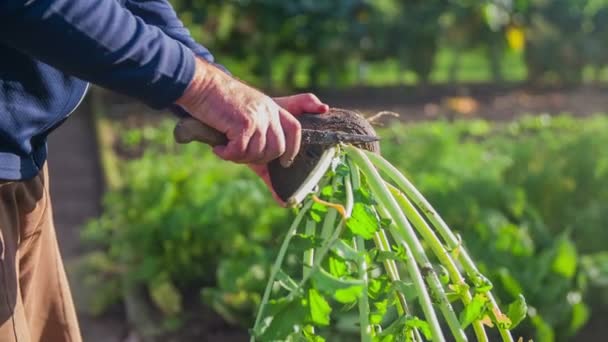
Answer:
(50, 49)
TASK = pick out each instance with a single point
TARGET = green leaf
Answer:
(457, 291)
(343, 250)
(303, 242)
(349, 294)
(517, 311)
(287, 316)
(482, 284)
(383, 256)
(317, 211)
(364, 196)
(309, 335)
(544, 331)
(580, 315)
(327, 191)
(378, 286)
(422, 326)
(400, 328)
(407, 289)
(363, 221)
(596, 268)
(342, 170)
(319, 308)
(509, 282)
(165, 295)
(377, 315)
(565, 261)
(400, 253)
(342, 290)
(385, 223)
(395, 330)
(475, 310)
(337, 267)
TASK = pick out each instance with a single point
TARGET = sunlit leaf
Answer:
(511, 284)
(475, 310)
(286, 317)
(337, 267)
(377, 286)
(565, 261)
(342, 290)
(580, 316)
(377, 315)
(319, 308)
(317, 211)
(327, 191)
(310, 336)
(517, 311)
(422, 326)
(363, 221)
(544, 331)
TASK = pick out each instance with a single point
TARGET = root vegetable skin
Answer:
(286, 181)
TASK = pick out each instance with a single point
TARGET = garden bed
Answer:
(528, 167)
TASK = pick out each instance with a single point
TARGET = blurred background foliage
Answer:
(528, 197)
(308, 44)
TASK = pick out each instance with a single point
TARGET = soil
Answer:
(493, 102)
(76, 184)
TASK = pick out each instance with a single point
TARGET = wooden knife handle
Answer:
(190, 129)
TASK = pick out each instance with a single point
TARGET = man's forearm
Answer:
(101, 42)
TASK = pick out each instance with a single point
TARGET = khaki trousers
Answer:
(35, 299)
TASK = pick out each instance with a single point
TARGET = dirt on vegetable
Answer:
(286, 181)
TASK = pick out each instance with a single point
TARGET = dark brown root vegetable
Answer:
(286, 181)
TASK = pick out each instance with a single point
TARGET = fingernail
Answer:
(287, 163)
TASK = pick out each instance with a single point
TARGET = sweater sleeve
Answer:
(161, 14)
(101, 42)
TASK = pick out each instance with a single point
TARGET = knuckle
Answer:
(310, 97)
(248, 123)
(295, 124)
(240, 149)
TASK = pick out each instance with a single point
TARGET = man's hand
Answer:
(296, 105)
(258, 129)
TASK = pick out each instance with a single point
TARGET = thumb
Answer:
(303, 103)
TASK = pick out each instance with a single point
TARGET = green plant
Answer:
(528, 198)
(343, 267)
